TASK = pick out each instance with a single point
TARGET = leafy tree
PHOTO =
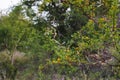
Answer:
(66, 37)
(16, 34)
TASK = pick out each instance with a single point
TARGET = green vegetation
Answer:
(61, 40)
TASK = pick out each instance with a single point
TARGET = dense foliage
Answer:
(61, 39)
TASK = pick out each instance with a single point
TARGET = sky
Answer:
(5, 4)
